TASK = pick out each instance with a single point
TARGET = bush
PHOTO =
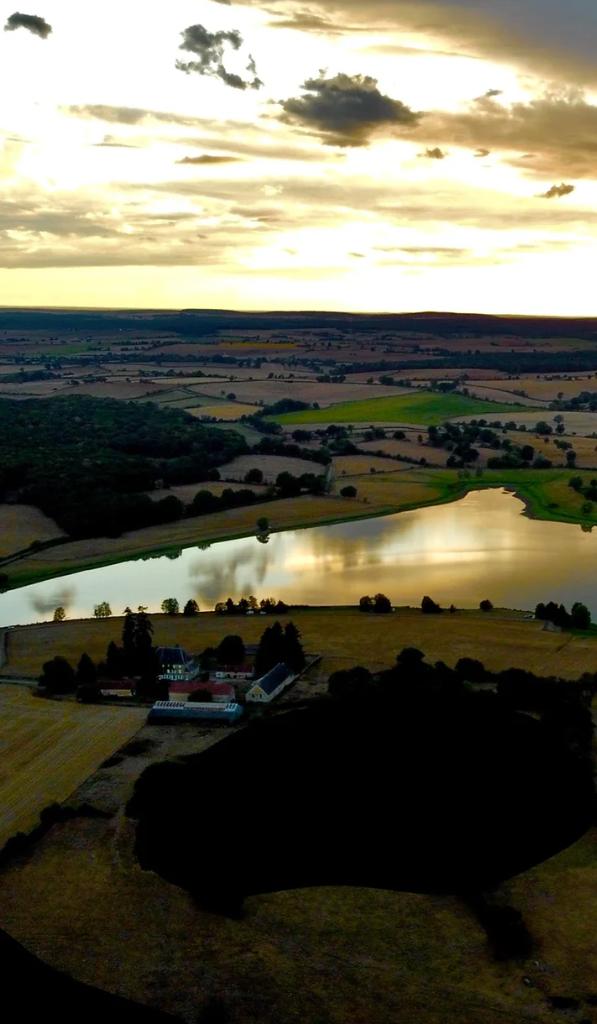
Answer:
(486, 605)
(349, 492)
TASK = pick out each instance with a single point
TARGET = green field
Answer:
(424, 407)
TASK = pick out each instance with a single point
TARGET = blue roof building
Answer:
(176, 665)
(270, 685)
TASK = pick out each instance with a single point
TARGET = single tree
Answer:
(116, 662)
(349, 492)
(382, 604)
(102, 610)
(366, 604)
(59, 614)
(231, 651)
(191, 608)
(486, 605)
(263, 524)
(271, 649)
(170, 606)
(58, 676)
(293, 654)
(254, 476)
(86, 672)
(580, 616)
(429, 607)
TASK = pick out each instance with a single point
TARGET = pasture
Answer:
(269, 391)
(21, 525)
(48, 748)
(424, 407)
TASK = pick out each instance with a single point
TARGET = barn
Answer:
(271, 685)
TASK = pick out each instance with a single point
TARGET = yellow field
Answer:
(353, 465)
(344, 637)
(20, 525)
(48, 748)
(585, 448)
(391, 490)
(549, 390)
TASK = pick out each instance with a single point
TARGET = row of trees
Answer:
(277, 645)
(578, 618)
(269, 605)
(564, 705)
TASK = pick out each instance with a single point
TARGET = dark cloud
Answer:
(208, 159)
(346, 110)
(434, 154)
(32, 22)
(209, 48)
(557, 191)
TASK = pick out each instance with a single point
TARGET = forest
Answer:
(87, 462)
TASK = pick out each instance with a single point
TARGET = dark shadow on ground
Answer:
(452, 795)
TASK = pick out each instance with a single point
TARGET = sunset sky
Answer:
(386, 155)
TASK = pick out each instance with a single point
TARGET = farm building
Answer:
(176, 666)
(235, 672)
(270, 685)
(171, 710)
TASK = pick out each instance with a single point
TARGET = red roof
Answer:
(216, 689)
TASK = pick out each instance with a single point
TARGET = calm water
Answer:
(481, 546)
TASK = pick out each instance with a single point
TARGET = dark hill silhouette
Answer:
(200, 322)
(450, 796)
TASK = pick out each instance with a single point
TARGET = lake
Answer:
(479, 547)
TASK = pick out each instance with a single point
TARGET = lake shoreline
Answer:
(450, 490)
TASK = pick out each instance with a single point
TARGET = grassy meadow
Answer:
(425, 407)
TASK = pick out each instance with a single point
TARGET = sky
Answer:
(393, 155)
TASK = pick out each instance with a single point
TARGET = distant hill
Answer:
(207, 321)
